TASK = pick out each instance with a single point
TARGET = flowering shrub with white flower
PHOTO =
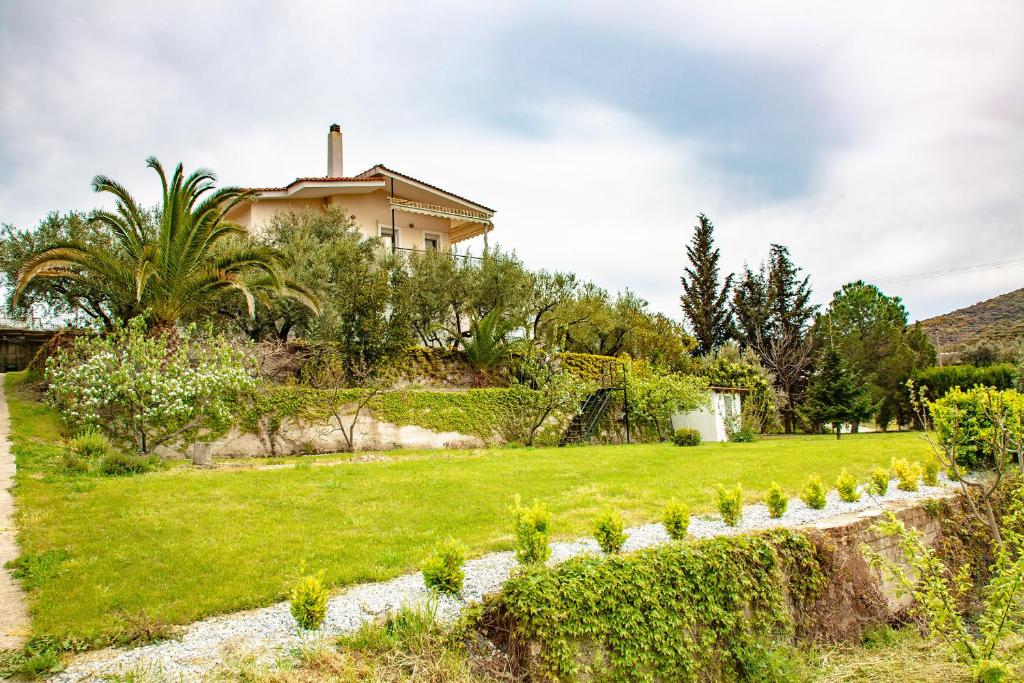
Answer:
(149, 390)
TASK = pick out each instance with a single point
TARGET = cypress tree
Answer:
(704, 300)
(751, 306)
(788, 295)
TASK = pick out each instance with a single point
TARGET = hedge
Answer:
(710, 610)
(940, 380)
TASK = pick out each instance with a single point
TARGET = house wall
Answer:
(371, 211)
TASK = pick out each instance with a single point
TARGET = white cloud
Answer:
(922, 100)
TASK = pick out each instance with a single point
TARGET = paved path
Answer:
(14, 622)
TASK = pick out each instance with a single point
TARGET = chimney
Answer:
(334, 168)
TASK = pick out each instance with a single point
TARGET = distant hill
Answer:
(999, 320)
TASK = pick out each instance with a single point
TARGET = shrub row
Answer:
(940, 379)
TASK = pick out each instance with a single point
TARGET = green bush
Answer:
(906, 473)
(90, 444)
(532, 529)
(118, 463)
(73, 464)
(608, 530)
(742, 434)
(930, 472)
(846, 485)
(442, 571)
(730, 504)
(813, 493)
(686, 437)
(676, 520)
(730, 590)
(965, 420)
(991, 671)
(777, 501)
(879, 483)
(940, 380)
(309, 603)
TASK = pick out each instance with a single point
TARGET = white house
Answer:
(722, 408)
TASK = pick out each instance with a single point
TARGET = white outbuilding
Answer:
(714, 420)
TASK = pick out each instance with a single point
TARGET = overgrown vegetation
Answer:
(729, 590)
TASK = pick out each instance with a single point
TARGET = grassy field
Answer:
(181, 544)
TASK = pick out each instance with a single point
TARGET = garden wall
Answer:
(300, 437)
(709, 609)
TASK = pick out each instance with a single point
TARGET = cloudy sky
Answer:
(878, 141)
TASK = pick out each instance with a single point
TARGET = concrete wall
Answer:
(300, 438)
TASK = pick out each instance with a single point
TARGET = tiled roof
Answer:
(355, 179)
(367, 173)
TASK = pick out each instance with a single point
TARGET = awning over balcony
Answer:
(466, 223)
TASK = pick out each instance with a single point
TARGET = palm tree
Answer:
(173, 264)
(489, 343)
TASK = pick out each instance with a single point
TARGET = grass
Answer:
(407, 647)
(180, 544)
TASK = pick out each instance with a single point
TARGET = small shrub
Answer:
(532, 528)
(813, 493)
(309, 603)
(686, 437)
(991, 671)
(777, 501)
(906, 474)
(608, 530)
(846, 485)
(74, 464)
(442, 571)
(90, 444)
(117, 464)
(730, 504)
(676, 520)
(879, 482)
(930, 473)
(743, 434)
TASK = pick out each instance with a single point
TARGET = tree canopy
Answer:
(172, 263)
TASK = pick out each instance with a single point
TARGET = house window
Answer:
(389, 237)
(431, 242)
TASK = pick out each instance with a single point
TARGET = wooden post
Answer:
(202, 454)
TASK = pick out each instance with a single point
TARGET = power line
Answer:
(945, 272)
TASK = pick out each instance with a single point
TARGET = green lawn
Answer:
(182, 544)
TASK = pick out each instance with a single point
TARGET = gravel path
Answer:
(268, 633)
(13, 614)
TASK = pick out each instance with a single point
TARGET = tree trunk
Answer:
(202, 454)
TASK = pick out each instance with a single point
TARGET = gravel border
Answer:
(268, 634)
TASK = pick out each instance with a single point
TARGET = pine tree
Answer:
(704, 301)
(835, 397)
(751, 306)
